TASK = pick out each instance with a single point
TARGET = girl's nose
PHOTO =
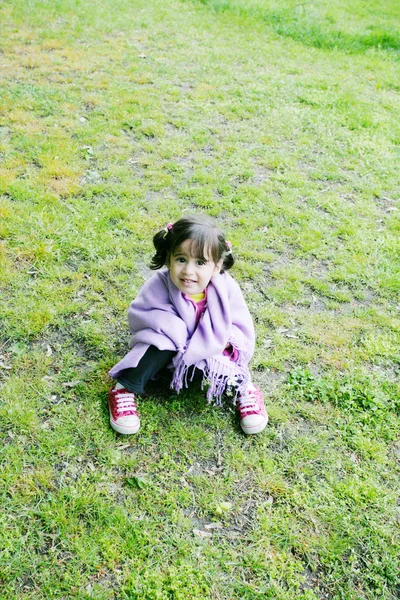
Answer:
(188, 269)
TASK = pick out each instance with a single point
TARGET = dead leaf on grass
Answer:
(202, 534)
(210, 471)
(213, 526)
(70, 384)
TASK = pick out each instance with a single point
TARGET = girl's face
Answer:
(190, 274)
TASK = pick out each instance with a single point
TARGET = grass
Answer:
(357, 28)
(281, 121)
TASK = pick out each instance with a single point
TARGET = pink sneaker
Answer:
(253, 416)
(124, 417)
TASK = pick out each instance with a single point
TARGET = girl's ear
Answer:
(218, 267)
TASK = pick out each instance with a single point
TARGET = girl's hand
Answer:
(232, 352)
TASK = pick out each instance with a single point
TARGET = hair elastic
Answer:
(167, 229)
(228, 247)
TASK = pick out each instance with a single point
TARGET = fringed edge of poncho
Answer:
(216, 374)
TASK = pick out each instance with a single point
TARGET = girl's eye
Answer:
(201, 263)
(180, 259)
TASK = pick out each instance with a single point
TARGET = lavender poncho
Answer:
(161, 316)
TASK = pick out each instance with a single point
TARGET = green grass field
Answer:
(281, 120)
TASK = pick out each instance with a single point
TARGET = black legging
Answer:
(150, 364)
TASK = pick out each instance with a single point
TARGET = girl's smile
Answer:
(190, 274)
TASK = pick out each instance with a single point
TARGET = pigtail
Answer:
(161, 244)
(228, 263)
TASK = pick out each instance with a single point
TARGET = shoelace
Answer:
(125, 405)
(248, 402)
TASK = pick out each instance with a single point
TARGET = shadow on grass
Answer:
(302, 29)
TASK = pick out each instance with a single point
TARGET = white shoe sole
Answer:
(249, 429)
(123, 429)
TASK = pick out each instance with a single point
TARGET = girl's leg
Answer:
(124, 417)
(149, 365)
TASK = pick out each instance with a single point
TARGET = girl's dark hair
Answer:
(205, 237)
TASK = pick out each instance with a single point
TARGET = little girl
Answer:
(192, 317)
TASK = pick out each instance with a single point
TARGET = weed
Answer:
(349, 393)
